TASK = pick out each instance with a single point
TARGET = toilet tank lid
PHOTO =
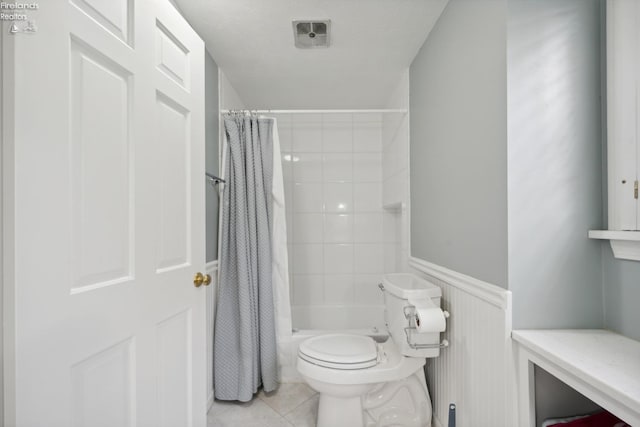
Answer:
(406, 285)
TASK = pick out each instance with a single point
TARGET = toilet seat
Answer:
(340, 351)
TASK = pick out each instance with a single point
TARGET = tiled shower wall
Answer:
(395, 188)
(337, 226)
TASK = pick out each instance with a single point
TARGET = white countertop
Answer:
(607, 361)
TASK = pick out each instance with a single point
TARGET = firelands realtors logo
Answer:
(18, 14)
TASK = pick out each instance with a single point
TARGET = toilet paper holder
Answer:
(410, 314)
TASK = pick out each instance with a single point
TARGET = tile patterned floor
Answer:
(292, 405)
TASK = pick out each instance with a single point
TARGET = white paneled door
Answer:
(105, 191)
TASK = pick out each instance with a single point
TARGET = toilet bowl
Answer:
(365, 383)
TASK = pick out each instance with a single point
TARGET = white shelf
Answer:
(602, 365)
(625, 244)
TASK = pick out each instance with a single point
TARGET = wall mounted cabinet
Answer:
(623, 112)
(623, 128)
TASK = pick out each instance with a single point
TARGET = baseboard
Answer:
(492, 294)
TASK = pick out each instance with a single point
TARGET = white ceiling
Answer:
(372, 43)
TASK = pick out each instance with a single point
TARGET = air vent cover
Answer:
(311, 34)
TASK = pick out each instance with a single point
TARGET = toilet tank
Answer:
(398, 288)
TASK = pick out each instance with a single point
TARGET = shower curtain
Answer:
(251, 319)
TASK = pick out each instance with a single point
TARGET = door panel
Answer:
(116, 16)
(102, 209)
(172, 57)
(174, 370)
(173, 176)
(104, 388)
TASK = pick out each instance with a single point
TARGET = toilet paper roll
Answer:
(429, 319)
(428, 316)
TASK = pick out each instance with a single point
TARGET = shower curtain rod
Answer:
(388, 110)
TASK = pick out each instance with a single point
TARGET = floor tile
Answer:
(287, 397)
(278, 422)
(305, 415)
(236, 413)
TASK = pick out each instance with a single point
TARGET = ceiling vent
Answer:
(311, 34)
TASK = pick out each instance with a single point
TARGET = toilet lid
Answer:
(340, 351)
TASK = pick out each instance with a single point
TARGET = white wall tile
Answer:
(338, 288)
(309, 289)
(338, 228)
(308, 259)
(307, 167)
(368, 259)
(375, 118)
(285, 133)
(402, 146)
(367, 167)
(337, 167)
(334, 195)
(368, 228)
(307, 138)
(398, 187)
(387, 194)
(338, 259)
(389, 225)
(287, 167)
(387, 168)
(366, 290)
(367, 197)
(367, 138)
(284, 119)
(391, 257)
(306, 119)
(328, 118)
(338, 197)
(307, 197)
(292, 285)
(288, 195)
(337, 137)
(308, 228)
(289, 217)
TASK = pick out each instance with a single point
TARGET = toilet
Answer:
(366, 383)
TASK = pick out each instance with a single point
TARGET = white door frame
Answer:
(7, 217)
(1, 228)
(6, 225)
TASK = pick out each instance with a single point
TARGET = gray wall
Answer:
(554, 163)
(459, 142)
(621, 294)
(211, 153)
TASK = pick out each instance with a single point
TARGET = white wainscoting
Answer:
(212, 269)
(477, 370)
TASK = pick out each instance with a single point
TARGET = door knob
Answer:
(201, 279)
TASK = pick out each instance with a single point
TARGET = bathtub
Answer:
(362, 320)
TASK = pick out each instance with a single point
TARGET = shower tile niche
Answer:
(335, 218)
